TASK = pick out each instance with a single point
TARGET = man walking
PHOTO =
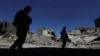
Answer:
(21, 22)
(64, 37)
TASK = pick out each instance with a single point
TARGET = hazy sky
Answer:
(53, 13)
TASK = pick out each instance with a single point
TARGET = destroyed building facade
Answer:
(43, 36)
(97, 22)
(45, 32)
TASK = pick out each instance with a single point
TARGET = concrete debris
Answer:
(81, 37)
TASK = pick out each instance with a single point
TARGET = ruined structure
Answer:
(45, 32)
(81, 37)
(3, 26)
(86, 34)
(9, 32)
(83, 34)
(42, 31)
(97, 22)
(43, 36)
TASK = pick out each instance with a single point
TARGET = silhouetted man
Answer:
(21, 22)
(64, 37)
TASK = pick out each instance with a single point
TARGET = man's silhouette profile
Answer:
(64, 37)
(21, 22)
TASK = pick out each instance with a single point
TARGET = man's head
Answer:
(64, 28)
(27, 9)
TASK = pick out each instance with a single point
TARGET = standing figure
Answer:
(64, 37)
(21, 22)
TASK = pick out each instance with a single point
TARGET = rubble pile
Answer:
(81, 37)
(45, 41)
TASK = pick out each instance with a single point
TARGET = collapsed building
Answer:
(97, 22)
(45, 32)
(47, 37)
(3, 26)
(83, 35)
(43, 36)
(8, 31)
(86, 34)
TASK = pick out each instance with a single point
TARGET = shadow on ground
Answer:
(48, 51)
